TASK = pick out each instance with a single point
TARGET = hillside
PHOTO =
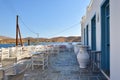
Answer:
(55, 39)
(4, 37)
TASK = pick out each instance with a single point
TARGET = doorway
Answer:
(105, 37)
(93, 33)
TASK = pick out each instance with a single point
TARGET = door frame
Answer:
(93, 33)
(105, 39)
(87, 35)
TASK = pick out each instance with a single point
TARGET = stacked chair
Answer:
(39, 57)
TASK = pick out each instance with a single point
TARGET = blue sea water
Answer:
(6, 45)
(41, 43)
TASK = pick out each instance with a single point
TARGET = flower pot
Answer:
(76, 49)
(83, 57)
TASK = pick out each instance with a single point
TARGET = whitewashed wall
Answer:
(94, 9)
(115, 39)
(114, 33)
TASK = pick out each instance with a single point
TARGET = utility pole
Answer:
(18, 32)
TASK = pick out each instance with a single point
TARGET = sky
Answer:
(43, 18)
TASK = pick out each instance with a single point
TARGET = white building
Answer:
(100, 31)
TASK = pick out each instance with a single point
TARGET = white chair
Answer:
(40, 48)
(19, 53)
(40, 59)
(26, 51)
(56, 49)
(4, 53)
(7, 58)
(12, 52)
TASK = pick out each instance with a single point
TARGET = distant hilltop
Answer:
(4, 37)
(5, 40)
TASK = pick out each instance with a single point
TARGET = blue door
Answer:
(107, 45)
(105, 37)
(93, 33)
(84, 37)
(87, 35)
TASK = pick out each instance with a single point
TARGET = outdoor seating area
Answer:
(15, 60)
(63, 66)
(50, 62)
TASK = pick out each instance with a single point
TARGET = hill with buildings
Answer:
(5, 40)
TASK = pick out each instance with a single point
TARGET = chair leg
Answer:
(32, 67)
(43, 67)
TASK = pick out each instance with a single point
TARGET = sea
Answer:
(40, 43)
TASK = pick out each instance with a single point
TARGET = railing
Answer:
(95, 62)
(95, 58)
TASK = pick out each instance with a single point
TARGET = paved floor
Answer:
(63, 66)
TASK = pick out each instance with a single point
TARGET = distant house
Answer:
(100, 29)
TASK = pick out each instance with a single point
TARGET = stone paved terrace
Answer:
(63, 66)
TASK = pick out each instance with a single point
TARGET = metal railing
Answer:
(95, 58)
(95, 62)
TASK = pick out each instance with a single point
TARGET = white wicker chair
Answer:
(40, 59)
(4, 53)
